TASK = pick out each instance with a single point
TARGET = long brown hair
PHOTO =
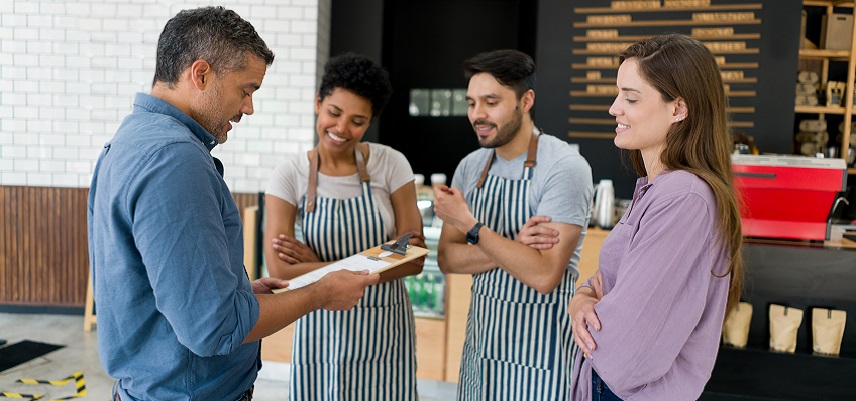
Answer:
(681, 67)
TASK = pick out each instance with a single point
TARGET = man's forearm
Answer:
(460, 258)
(277, 311)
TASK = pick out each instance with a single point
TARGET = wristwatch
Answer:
(473, 234)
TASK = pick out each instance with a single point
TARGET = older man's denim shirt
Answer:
(172, 297)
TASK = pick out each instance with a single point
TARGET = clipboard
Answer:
(375, 260)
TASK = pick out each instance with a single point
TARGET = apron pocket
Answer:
(520, 333)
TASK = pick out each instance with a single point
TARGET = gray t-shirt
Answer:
(387, 167)
(561, 184)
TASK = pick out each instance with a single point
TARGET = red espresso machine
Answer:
(790, 197)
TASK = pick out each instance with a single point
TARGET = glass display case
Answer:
(428, 289)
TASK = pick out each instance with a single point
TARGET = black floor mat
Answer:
(20, 352)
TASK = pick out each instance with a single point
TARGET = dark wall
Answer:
(774, 104)
(357, 26)
(422, 44)
(425, 43)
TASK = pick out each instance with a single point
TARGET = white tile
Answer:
(78, 167)
(103, 10)
(67, 22)
(39, 73)
(13, 125)
(39, 126)
(52, 140)
(38, 99)
(14, 99)
(52, 112)
(11, 152)
(6, 111)
(304, 26)
(26, 112)
(129, 10)
(25, 33)
(6, 32)
(6, 85)
(50, 166)
(69, 127)
(53, 7)
(13, 179)
(25, 138)
(13, 20)
(82, 141)
(287, 120)
(49, 59)
(39, 152)
(26, 59)
(65, 100)
(13, 72)
(77, 35)
(63, 153)
(52, 34)
(274, 26)
(25, 165)
(63, 180)
(39, 21)
(12, 46)
(6, 165)
(289, 12)
(7, 7)
(25, 7)
(63, 47)
(258, 12)
(78, 62)
(79, 114)
(303, 80)
(38, 179)
(51, 87)
(78, 8)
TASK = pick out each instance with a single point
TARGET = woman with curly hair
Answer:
(648, 324)
(347, 196)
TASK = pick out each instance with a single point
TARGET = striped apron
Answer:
(518, 343)
(368, 352)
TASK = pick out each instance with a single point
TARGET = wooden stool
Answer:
(89, 309)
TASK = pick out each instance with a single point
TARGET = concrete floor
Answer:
(80, 354)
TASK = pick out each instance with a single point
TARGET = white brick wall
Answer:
(69, 72)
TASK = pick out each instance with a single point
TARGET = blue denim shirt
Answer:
(172, 297)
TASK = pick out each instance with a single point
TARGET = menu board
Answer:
(755, 48)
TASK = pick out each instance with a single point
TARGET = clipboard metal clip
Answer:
(399, 246)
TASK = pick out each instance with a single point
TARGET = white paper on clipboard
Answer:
(375, 260)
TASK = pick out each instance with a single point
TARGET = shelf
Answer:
(762, 374)
(819, 109)
(851, 171)
(610, 10)
(827, 3)
(822, 54)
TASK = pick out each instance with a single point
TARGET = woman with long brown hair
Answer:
(648, 323)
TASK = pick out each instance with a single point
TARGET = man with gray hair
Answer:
(178, 317)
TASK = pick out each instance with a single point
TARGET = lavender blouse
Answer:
(662, 311)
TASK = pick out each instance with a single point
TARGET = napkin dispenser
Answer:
(789, 197)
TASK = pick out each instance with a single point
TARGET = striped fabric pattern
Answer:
(369, 352)
(518, 343)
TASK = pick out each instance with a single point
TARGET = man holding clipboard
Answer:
(518, 344)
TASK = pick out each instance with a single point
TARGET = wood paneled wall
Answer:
(44, 256)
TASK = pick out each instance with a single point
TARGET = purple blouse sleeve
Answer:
(659, 294)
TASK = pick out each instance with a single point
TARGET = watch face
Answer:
(473, 234)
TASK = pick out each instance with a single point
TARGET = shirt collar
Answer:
(147, 103)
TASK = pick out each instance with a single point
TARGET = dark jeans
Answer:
(599, 390)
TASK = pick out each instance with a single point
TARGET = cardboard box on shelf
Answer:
(837, 31)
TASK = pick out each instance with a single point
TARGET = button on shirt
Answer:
(172, 297)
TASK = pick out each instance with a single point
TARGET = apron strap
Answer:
(533, 148)
(361, 155)
(313, 180)
(530, 157)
